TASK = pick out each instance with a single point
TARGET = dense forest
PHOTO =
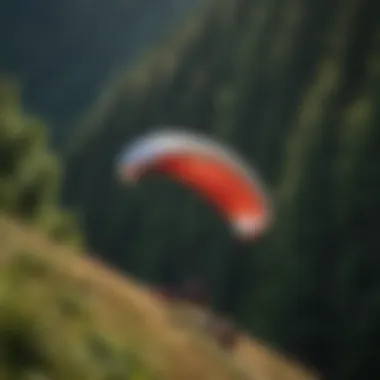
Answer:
(66, 52)
(292, 85)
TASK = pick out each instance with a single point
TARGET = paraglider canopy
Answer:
(209, 168)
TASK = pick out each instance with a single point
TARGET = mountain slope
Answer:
(94, 324)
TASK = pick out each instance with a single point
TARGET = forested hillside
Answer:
(66, 52)
(293, 85)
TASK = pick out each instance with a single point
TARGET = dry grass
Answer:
(75, 295)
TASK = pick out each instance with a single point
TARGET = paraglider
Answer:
(228, 183)
(209, 168)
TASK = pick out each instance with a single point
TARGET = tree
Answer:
(29, 172)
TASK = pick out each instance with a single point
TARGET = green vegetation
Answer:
(65, 317)
(30, 177)
(47, 330)
(293, 85)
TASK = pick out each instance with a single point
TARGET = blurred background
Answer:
(292, 85)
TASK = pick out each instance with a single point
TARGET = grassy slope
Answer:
(84, 321)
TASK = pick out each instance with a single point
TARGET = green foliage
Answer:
(29, 172)
(25, 353)
(47, 329)
(20, 350)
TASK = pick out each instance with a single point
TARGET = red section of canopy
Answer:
(222, 184)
